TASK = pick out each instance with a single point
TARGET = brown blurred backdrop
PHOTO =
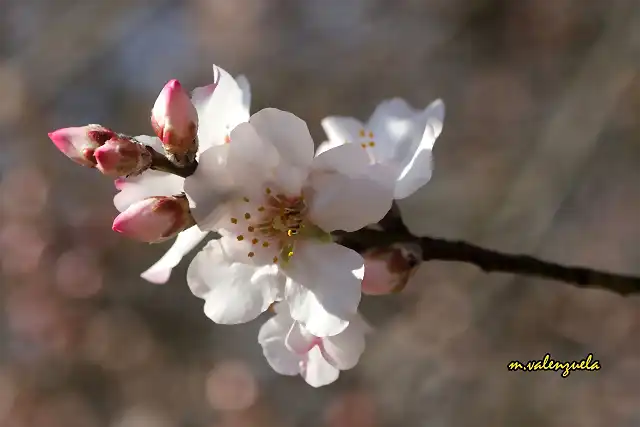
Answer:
(540, 154)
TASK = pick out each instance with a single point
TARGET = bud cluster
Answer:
(97, 147)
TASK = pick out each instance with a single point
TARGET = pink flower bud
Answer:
(155, 219)
(122, 156)
(79, 143)
(387, 270)
(175, 120)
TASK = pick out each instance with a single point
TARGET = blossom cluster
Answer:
(272, 200)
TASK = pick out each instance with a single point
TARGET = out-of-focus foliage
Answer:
(540, 154)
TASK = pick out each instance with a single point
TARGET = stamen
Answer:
(268, 190)
(275, 259)
(264, 244)
(254, 241)
(234, 220)
(372, 144)
(370, 134)
(250, 254)
(240, 238)
(290, 254)
(362, 133)
(246, 199)
(250, 228)
(247, 215)
(363, 145)
(261, 209)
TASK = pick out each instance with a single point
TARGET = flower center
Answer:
(368, 143)
(272, 227)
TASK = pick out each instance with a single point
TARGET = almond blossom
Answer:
(274, 204)
(396, 135)
(291, 350)
(220, 107)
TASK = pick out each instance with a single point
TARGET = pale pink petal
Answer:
(317, 372)
(221, 107)
(187, 240)
(344, 203)
(234, 292)
(414, 156)
(148, 184)
(272, 339)
(344, 350)
(323, 286)
(342, 129)
(287, 133)
(299, 340)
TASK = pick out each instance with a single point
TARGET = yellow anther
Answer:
(362, 133)
(247, 215)
(265, 244)
(275, 259)
(261, 209)
(254, 241)
(234, 220)
(268, 190)
(250, 228)
(372, 144)
(363, 145)
(290, 254)
(291, 232)
(250, 254)
(370, 134)
(240, 238)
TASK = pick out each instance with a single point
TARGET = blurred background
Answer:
(540, 154)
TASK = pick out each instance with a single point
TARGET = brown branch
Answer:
(494, 261)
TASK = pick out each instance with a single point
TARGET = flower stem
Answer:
(489, 260)
(160, 163)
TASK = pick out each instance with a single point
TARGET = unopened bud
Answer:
(175, 120)
(387, 270)
(122, 156)
(80, 143)
(155, 219)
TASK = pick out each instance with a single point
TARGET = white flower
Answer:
(274, 204)
(291, 350)
(396, 135)
(220, 106)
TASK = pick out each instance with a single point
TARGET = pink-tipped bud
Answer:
(79, 143)
(175, 120)
(121, 156)
(387, 270)
(155, 219)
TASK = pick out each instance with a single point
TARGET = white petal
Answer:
(347, 159)
(343, 203)
(245, 87)
(271, 337)
(234, 292)
(151, 141)
(150, 183)
(323, 286)
(327, 145)
(288, 133)
(220, 108)
(185, 242)
(414, 157)
(318, 372)
(299, 340)
(392, 122)
(344, 350)
(342, 129)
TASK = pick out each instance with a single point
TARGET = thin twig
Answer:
(160, 162)
(494, 261)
